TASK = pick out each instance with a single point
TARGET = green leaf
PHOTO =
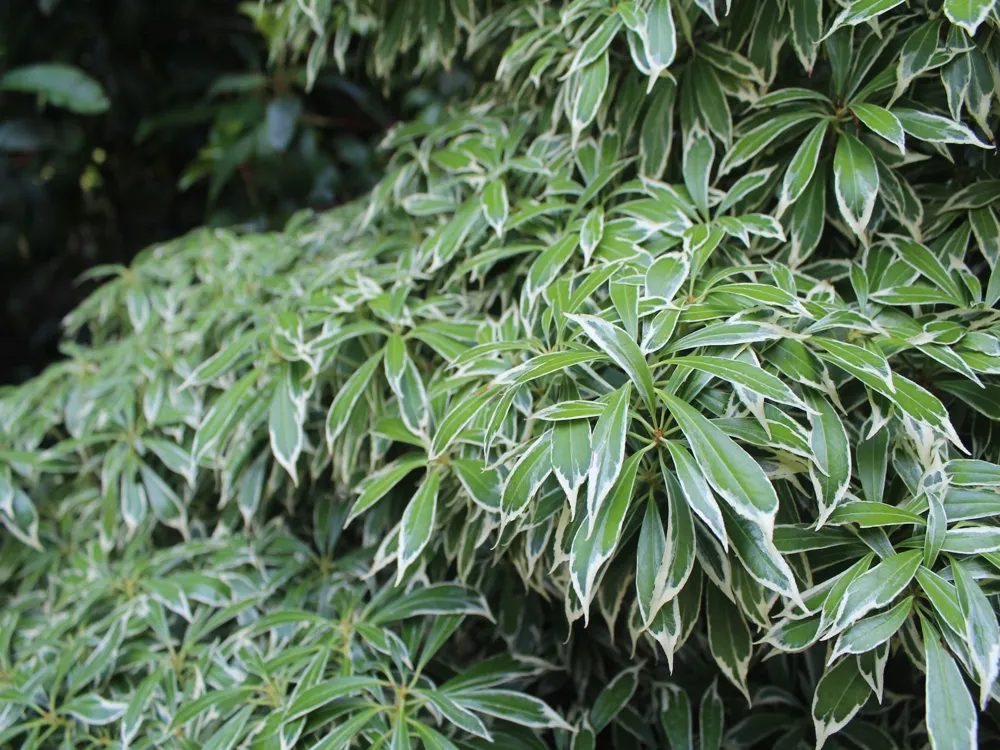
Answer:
(591, 232)
(623, 351)
(872, 463)
(660, 38)
(759, 556)
(867, 365)
(374, 487)
(968, 14)
(509, 705)
(973, 473)
(711, 715)
(223, 361)
(929, 265)
(936, 129)
(93, 709)
(484, 485)
(882, 122)
(547, 266)
(613, 698)
(678, 557)
(874, 589)
(729, 639)
(982, 634)
(761, 137)
(744, 374)
(595, 45)
(806, 17)
(545, 364)
(458, 715)
(527, 475)
(324, 693)
(860, 11)
(871, 632)
(222, 413)
(347, 397)
(457, 418)
(803, 165)
(868, 515)
(697, 494)
(495, 206)
(698, 157)
(951, 715)
(973, 540)
(590, 551)
(437, 599)
(607, 452)
(855, 182)
(944, 597)
(840, 694)
(285, 424)
(345, 732)
(830, 470)
(737, 478)
(666, 275)
(675, 717)
(591, 84)
(229, 734)
(417, 526)
(650, 556)
(62, 85)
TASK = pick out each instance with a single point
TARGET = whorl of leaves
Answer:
(677, 343)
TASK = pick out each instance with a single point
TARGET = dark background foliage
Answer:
(202, 129)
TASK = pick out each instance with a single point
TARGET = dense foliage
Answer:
(650, 396)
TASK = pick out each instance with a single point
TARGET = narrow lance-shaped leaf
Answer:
(591, 84)
(855, 181)
(711, 718)
(840, 694)
(883, 122)
(968, 14)
(285, 425)
(698, 157)
(860, 11)
(933, 128)
(589, 552)
(876, 588)
(951, 714)
(623, 350)
(613, 698)
(802, 167)
(347, 397)
(830, 470)
(675, 717)
(660, 37)
(727, 467)
(525, 478)
(729, 639)
(220, 416)
(744, 374)
(678, 556)
(982, 634)
(871, 632)
(417, 526)
(650, 555)
(607, 452)
(696, 493)
(495, 205)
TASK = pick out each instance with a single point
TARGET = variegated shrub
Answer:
(663, 369)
